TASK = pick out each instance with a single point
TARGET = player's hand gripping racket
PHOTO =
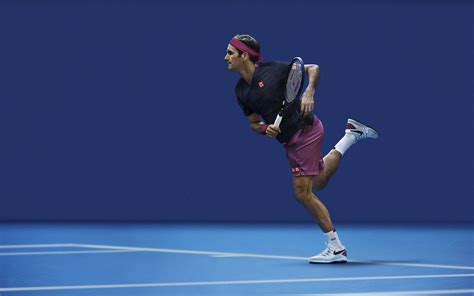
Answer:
(294, 86)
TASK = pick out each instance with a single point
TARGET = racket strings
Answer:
(294, 81)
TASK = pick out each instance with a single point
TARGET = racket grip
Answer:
(278, 121)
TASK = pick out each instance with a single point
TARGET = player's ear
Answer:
(245, 56)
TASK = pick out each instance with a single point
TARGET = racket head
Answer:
(295, 80)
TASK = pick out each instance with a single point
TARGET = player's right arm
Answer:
(261, 127)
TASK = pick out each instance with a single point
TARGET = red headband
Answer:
(243, 47)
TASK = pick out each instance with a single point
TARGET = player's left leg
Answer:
(335, 251)
(303, 152)
(302, 188)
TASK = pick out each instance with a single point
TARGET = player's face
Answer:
(232, 58)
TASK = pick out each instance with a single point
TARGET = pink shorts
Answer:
(303, 150)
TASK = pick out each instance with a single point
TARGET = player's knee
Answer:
(320, 182)
(302, 193)
(303, 198)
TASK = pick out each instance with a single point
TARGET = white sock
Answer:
(333, 241)
(345, 143)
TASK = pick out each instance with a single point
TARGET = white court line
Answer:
(414, 264)
(249, 282)
(396, 293)
(64, 252)
(225, 254)
(35, 246)
(177, 251)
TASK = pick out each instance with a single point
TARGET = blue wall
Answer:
(116, 111)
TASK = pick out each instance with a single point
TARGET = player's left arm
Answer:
(307, 100)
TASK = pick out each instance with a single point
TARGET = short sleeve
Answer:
(240, 99)
(247, 111)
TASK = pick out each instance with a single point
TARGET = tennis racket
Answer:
(293, 88)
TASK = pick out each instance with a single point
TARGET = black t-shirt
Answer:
(265, 95)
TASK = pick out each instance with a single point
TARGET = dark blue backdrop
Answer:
(114, 111)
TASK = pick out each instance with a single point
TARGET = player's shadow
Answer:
(381, 262)
(372, 262)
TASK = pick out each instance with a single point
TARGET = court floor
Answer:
(232, 259)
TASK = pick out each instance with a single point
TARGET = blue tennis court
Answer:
(233, 259)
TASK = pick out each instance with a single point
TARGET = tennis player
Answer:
(260, 92)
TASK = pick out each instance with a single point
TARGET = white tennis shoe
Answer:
(360, 130)
(330, 255)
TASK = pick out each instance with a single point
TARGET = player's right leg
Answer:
(331, 163)
(355, 132)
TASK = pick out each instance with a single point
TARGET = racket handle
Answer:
(278, 120)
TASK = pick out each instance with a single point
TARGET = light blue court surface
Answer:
(232, 259)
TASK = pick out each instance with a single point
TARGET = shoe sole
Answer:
(359, 122)
(327, 262)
